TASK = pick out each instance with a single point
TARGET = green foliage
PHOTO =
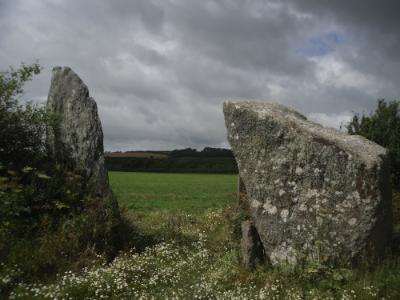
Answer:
(12, 82)
(49, 224)
(206, 152)
(22, 127)
(382, 127)
(174, 164)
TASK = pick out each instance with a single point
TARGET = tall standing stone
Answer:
(78, 140)
(314, 193)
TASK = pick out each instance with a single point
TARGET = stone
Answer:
(241, 191)
(314, 193)
(251, 246)
(78, 139)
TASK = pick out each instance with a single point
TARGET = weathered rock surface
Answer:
(251, 246)
(314, 193)
(78, 141)
(241, 191)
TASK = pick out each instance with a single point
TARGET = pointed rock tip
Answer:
(59, 68)
(263, 106)
(60, 73)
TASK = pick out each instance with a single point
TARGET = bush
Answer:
(22, 127)
(382, 127)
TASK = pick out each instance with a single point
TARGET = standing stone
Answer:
(315, 194)
(78, 140)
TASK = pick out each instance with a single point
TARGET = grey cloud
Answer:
(237, 36)
(160, 70)
(382, 15)
(372, 28)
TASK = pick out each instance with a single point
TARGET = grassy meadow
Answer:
(186, 246)
(189, 193)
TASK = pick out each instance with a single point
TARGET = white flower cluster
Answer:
(195, 269)
(8, 275)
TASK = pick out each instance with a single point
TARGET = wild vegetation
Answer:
(186, 255)
(47, 222)
(383, 127)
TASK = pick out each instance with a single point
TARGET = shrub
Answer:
(22, 127)
(383, 127)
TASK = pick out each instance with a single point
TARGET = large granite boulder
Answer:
(78, 139)
(314, 193)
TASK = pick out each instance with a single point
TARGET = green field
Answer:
(190, 193)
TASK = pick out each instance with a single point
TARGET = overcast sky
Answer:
(160, 70)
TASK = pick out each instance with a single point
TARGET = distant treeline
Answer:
(209, 160)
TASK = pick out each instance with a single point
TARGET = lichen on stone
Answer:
(313, 186)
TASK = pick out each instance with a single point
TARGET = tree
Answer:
(31, 184)
(382, 127)
(22, 127)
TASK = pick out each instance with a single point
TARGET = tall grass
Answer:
(197, 257)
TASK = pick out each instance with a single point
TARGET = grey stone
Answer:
(251, 246)
(78, 140)
(314, 193)
(241, 191)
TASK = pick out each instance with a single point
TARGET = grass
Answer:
(189, 193)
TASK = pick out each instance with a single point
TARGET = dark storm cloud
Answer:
(382, 15)
(160, 70)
